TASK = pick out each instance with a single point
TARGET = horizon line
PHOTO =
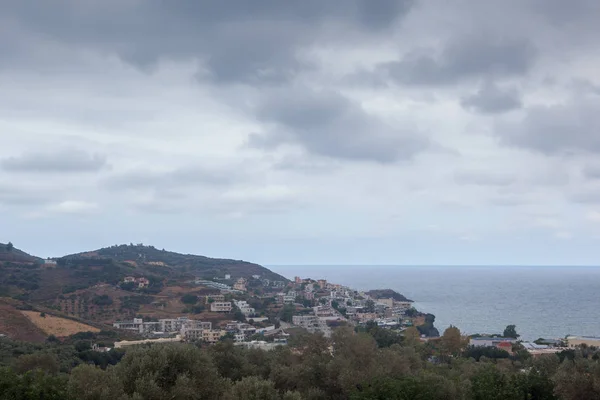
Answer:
(434, 265)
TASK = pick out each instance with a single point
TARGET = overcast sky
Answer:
(280, 132)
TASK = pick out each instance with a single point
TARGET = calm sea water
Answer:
(542, 301)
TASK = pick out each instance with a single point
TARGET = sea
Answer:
(548, 302)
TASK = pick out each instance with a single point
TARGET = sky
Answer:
(338, 132)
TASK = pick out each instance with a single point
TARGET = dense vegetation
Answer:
(199, 265)
(387, 294)
(370, 364)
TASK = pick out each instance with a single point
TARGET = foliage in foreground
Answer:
(366, 365)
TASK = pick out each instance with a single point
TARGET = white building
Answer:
(306, 321)
(245, 308)
(487, 341)
(259, 344)
(221, 306)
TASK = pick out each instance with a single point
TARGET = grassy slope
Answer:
(16, 326)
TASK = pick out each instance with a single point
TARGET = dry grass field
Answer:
(57, 326)
(16, 326)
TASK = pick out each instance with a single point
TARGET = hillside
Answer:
(200, 266)
(14, 324)
(90, 286)
(8, 253)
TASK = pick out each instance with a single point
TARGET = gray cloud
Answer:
(483, 178)
(588, 195)
(173, 179)
(239, 41)
(61, 161)
(561, 12)
(490, 99)
(463, 58)
(559, 129)
(329, 124)
(23, 195)
(592, 171)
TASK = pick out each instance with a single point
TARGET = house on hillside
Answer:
(214, 297)
(142, 283)
(221, 306)
(240, 285)
(213, 335)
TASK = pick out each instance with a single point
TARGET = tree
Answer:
(37, 361)
(9, 247)
(238, 315)
(412, 337)
(288, 312)
(511, 332)
(253, 388)
(189, 299)
(452, 341)
(370, 306)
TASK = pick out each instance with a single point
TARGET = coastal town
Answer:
(314, 306)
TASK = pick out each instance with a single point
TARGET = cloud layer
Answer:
(290, 131)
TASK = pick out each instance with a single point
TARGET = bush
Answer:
(189, 299)
(103, 300)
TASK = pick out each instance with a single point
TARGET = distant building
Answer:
(486, 341)
(193, 334)
(213, 335)
(214, 297)
(573, 341)
(240, 285)
(305, 321)
(324, 312)
(256, 276)
(298, 280)
(245, 308)
(386, 302)
(227, 276)
(259, 344)
(283, 298)
(322, 283)
(143, 282)
(125, 343)
(167, 325)
(239, 337)
(50, 263)
(309, 295)
(221, 306)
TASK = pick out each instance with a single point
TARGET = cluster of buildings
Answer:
(140, 282)
(333, 302)
(185, 329)
(188, 328)
(240, 285)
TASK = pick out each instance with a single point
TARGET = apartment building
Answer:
(221, 306)
(213, 335)
(306, 321)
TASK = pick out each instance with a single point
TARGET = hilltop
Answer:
(8, 253)
(387, 294)
(199, 266)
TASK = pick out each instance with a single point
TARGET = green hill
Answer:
(153, 258)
